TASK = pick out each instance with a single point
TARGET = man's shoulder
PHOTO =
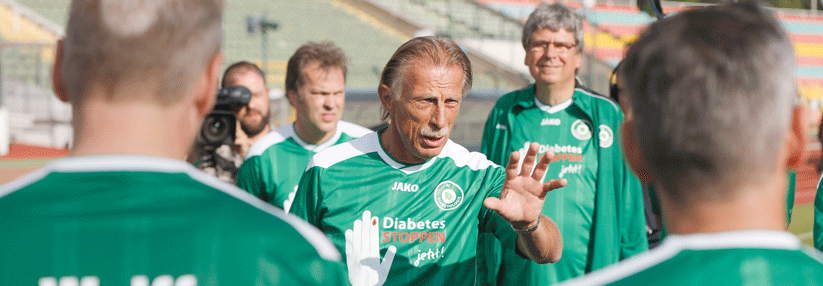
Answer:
(269, 140)
(463, 158)
(333, 155)
(594, 98)
(151, 184)
(719, 256)
(352, 130)
(508, 100)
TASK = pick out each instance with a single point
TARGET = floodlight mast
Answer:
(260, 24)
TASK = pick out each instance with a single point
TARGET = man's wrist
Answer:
(532, 227)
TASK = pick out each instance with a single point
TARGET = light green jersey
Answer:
(131, 220)
(274, 163)
(430, 213)
(754, 257)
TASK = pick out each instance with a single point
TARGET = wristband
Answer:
(528, 230)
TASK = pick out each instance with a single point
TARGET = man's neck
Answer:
(761, 206)
(311, 134)
(102, 128)
(553, 94)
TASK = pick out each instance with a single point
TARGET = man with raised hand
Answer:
(699, 84)
(405, 203)
(124, 209)
(601, 216)
(316, 88)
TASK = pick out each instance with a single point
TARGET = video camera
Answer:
(220, 125)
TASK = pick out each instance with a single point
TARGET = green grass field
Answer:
(802, 222)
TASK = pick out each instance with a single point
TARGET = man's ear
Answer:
(797, 139)
(385, 94)
(57, 81)
(633, 156)
(205, 101)
(291, 95)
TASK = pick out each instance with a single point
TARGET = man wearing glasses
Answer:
(600, 216)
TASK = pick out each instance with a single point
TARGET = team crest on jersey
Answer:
(581, 129)
(606, 136)
(448, 195)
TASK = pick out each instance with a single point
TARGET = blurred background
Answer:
(35, 126)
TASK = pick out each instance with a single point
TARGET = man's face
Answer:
(321, 99)
(552, 56)
(424, 113)
(255, 116)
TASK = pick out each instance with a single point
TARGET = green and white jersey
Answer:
(429, 214)
(582, 132)
(274, 163)
(132, 220)
(564, 130)
(754, 257)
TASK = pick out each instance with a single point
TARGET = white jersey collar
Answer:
(553, 109)
(319, 147)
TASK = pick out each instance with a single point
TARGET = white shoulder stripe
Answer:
(341, 152)
(115, 163)
(674, 244)
(352, 129)
(462, 157)
(600, 97)
(270, 139)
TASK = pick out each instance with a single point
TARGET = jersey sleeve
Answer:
(307, 200)
(490, 221)
(251, 178)
(818, 217)
(496, 136)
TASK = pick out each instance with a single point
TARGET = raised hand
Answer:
(523, 194)
(363, 253)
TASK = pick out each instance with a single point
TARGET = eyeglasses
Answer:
(560, 47)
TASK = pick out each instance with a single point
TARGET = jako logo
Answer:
(404, 187)
(448, 195)
(550, 121)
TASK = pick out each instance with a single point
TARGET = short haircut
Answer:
(711, 93)
(326, 54)
(158, 45)
(435, 51)
(554, 17)
(240, 68)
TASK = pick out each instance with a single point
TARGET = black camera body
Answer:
(220, 125)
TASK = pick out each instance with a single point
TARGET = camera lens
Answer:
(216, 129)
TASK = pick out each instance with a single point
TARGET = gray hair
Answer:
(711, 92)
(554, 17)
(437, 51)
(159, 45)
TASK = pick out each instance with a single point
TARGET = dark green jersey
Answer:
(429, 214)
(753, 257)
(274, 163)
(121, 220)
(599, 213)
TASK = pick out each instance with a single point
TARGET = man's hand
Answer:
(521, 203)
(521, 200)
(363, 253)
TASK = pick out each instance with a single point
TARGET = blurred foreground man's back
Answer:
(123, 209)
(713, 121)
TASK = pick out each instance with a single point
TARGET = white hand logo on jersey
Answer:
(287, 202)
(363, 253)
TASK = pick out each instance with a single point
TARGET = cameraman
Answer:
(252, 120)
